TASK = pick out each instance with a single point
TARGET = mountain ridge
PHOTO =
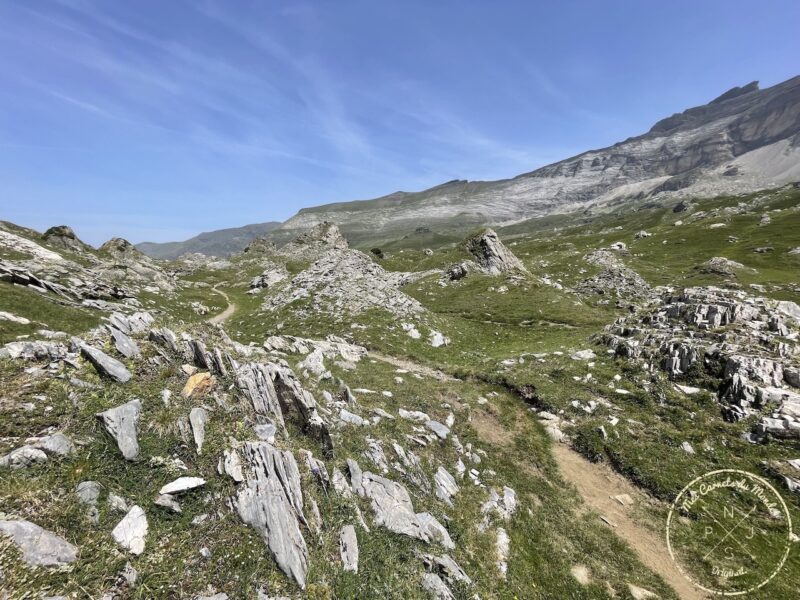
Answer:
(220, 242)
(743, 140)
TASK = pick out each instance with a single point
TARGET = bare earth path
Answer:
(225, 314)
(596, 484)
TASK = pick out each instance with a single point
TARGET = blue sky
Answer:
(155, 120)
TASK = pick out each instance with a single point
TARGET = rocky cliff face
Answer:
(745, 140)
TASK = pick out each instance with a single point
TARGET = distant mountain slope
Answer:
(211, 243)
(744, 140)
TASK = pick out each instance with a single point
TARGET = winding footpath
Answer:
(597, 485)
(225, 314)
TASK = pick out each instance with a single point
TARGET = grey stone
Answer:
(394, 510)
(131, 531)
(440, 429)
(448, 567)
(39, 547)
(104, 364)
(124, 344)
(165, 338)
(167, 501)
(121, 423)
(348, 548)
(88, 492)
(23, 457)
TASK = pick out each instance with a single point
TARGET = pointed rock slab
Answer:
(39, 547)
(130, 533)
(198, 417)
(124, 345)
(348, 548)
(451, 570)
(270, 500)
(121, 422)
(182, 484)
(104, 364)
(394, 510)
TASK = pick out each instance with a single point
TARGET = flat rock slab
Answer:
(121, 422)
(39, 547)
(348, 548)
(104, 364)
(130, 533)
(182, 484)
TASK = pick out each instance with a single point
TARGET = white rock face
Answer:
(131, 531)
(39, 547)
(21, 244)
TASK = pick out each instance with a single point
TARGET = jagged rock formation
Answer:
(346, 282)
(315, 242)
(615, 278)
(270, 500)
(260, 246)
(492, 255)
(64, 237)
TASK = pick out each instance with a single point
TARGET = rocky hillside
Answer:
(745, 140)
(506, 417)
(221, 242)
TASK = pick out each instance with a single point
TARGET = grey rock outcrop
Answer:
(345, 283)
(124, 344)
(62, 236)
